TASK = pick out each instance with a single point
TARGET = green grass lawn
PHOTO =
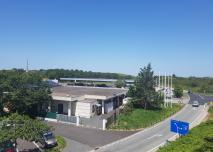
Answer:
(140, 118)
(200, 139)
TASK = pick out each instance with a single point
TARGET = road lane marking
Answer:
(37, 146)
(156, 135)
(201, 97)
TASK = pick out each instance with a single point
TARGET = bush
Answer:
(178, 92)
(128, 108)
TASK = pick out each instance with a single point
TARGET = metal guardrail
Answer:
(65, 118)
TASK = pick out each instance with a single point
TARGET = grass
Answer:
(140, 118)
(200, 138)
(210, 116)
(61, 145)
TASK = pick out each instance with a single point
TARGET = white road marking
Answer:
(201, 97)
(37, 146)
(156, 135)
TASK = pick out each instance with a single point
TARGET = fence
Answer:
(65, 118)
(51, 115)
(111, 117)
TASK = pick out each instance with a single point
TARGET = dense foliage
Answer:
(22, 92)
(20, 126)
(143, 92)
(120, 83)
(178, 92)
(200, 85)
(61, 73)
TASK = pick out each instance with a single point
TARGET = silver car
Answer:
(48, 139)
(195, 104)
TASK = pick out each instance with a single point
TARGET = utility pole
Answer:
(159, 81)
(27, 68)
(165, 104)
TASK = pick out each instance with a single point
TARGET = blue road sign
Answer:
(179, 127)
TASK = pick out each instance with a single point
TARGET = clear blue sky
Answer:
(176, 36)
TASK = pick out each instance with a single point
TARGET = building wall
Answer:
(54, 106)
(83, 109)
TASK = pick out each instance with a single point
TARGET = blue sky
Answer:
(176, 36)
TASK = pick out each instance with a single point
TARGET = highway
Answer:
(150, 139)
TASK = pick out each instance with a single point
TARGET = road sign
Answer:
(179, 127)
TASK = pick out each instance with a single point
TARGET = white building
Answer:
(85, 101)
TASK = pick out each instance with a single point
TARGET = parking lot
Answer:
(87, 137)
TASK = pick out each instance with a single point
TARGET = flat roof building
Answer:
(84, 101)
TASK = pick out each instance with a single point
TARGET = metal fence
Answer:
(51, 115)
(65, 118)
(112, 116)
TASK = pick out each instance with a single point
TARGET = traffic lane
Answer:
(146, 140)
(200, 98)
(192, 115)
(196, 97)
(166, 132)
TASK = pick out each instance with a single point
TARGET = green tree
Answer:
(144, 91)
(132, 91)
(178, 92)
(120, 83)
(19, 126)
(27, 93)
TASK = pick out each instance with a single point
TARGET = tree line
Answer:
(62, 73)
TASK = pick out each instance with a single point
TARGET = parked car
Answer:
(8, 146)
(48, 139)
(195, 104)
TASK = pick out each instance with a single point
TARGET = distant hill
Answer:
(59, 73)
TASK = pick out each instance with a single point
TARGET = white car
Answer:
(195, 104)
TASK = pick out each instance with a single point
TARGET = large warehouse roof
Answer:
(94, 80)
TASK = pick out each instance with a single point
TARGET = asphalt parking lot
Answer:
(88, 137)
(25, 146)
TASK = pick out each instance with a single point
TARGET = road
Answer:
(201, 99)
(150, 139)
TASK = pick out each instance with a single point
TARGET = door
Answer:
(60, 108)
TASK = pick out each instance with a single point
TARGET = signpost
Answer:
(179, 127)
